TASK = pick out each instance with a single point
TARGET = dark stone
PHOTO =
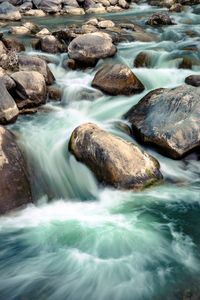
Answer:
(193, 80)
(159, 19)
(117, 79)
(15, 188)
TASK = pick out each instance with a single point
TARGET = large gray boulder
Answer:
(169, 119)
(9, 12)
(114, 161)
(88, 48)
(49, 6)
(30, 89)
(8, 108)
(117, 79)
(31, 63)
(15, 188)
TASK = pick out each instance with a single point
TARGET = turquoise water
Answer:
(85, 242)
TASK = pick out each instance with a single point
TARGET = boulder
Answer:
(30, 89)
(9, 12)
(106, 24)
(114, 161)
(31, 63)
(169, 119)
(9, 61)
(193, 80)
(35, 13)
(117, 79)
(13, 44)
(3, 50)
(8, 108)
(142, 60)
(15, 188)
(6, 79)
(89, 48)
(49, 44)
(26, 28)
(159, 19)
(49, 6)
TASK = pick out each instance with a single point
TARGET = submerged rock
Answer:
(30, 89)
(117, 79)
(114, 161)
(89, 48)
(8, 108)
(169, 119)
(15, 188)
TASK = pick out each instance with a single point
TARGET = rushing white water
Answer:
(82, 241)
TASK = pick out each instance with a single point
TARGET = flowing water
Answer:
(82, 241)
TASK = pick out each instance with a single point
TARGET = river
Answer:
(82, 241)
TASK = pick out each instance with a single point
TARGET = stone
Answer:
(35, 13)
(32, 63)
(74, 10)
(117, 79)
(106, 24)
(7, 80)
(8, 108)
(114, 161)
(8, 12)
(168, 119)
(43, 32)
(49, 44)
(30, 89)
(142, 60)
(193, 80)
(49, 6)
(159, 19)
(13, 44)
(89, 48)
(54, 93)
(15, 190)
(186, 63)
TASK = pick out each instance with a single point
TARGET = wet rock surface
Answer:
(30, 90)
(89, 48)
(8, 108)
(14, 180)
(117, 79)
(169, 119)
(114, 161)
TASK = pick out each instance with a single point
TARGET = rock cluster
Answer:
(23, 80)
(12, 10)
